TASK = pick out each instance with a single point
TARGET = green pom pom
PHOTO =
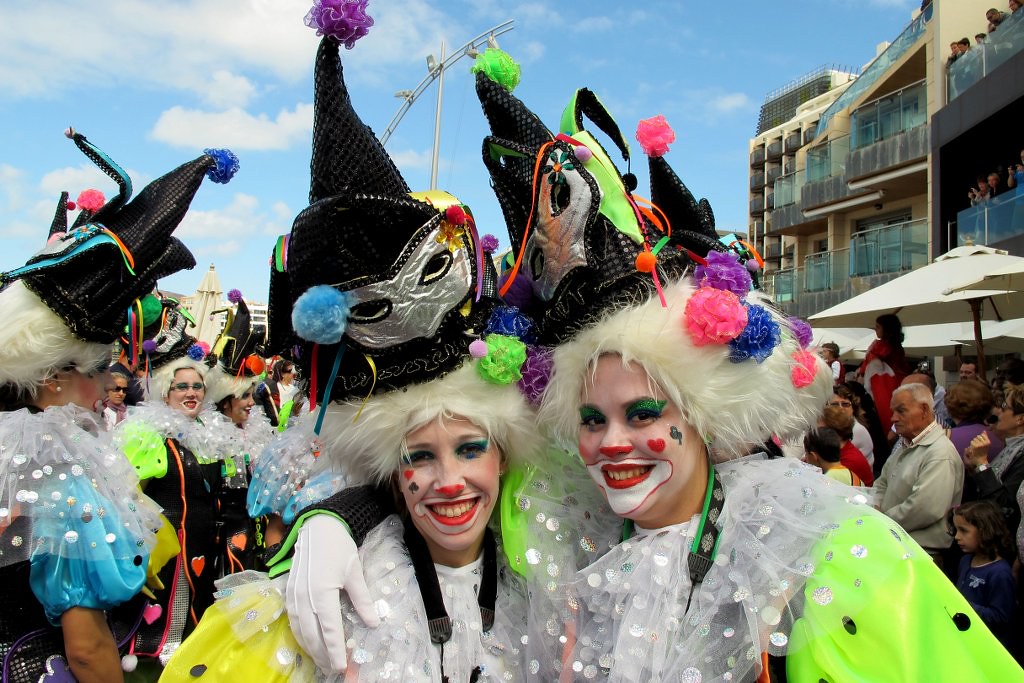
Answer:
(499, 67)
(504, 359)
(152, 309)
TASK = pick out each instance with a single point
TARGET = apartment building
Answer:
(857, 207)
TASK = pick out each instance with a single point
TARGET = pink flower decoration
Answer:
(714, 316)
(91, 200)
(655, 135)
(805, 369)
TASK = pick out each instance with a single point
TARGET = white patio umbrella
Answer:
(207, 299)
(848, 339)
(1006, 336)
(1010, 277)
(933, 340)
(919, 297)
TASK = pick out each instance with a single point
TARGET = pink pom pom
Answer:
(234, 296)
(55, 237)
(478, 348)
(583, 153)
(69, 132)
(204, 346)
(753, 266)
(455, 215)
(655, 135)
(71, 206)
(804, 371)
(714, 316)
(91, 200)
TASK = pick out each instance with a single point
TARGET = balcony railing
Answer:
(774, 151)
(769, 201)
(980, 60)
(773, 174)
(998, 219)
(789, 166)
(827, 159)
(794, 141)
(773, 251)
(787, 189)
(757, 157)
(758, 230)
(889, 249)
(897, 48)
(809, 134)
(889, 116)
(757, 180)
(827, 270)
(757, 206)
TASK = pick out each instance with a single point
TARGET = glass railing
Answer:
(889, 116)
(980, 60)
(827, 270)
(889, 249)
(896, 49)
(998, 219)
(827, 159)
(784, 285)
(787, 189)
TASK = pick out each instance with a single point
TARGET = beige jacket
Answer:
(919, 484)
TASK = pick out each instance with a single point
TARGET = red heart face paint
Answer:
(407, 474)
(656, 445)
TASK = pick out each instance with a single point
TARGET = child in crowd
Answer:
(821, 449)
(985, 578)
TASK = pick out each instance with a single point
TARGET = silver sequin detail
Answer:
(822, 595)
(859, 551)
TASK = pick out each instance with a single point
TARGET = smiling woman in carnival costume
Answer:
(722, 566)
(75, 532)
(391, 296)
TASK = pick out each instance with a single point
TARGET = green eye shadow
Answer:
(589, 413)
(647, 405)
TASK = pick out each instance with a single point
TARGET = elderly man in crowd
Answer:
(924, 476)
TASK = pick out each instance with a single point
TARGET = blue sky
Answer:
(153, 83)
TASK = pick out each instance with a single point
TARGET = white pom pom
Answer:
(129, 662)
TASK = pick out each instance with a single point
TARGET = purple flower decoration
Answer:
(149, 346)
(345, 21)
(225, 165)
(536, 373)
(758, 339)
(508, 321)
(802, 331)
(234, 296)
(723, 271)
(489, 243)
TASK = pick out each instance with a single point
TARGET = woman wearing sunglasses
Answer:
(114, 407)
(998, 477)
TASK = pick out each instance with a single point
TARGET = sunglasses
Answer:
(118, 390)
(185, 386)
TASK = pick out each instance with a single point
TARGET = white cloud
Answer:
(531, 52)
(243, 217)
(729, 102)
(410, 158)
(593, 24)
(224, 89)
(85, 176)
(228, 248)
(11, 189)
(234, 128)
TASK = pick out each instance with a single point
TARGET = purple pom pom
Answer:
(520, 294)
(225, 165)
(234, 296)
(723, 271)
(478, 348)
(753, 266)
(196, 353)
(149, 346)
(583, 153)
(536, 373)
(758, 339)
(345, 21)
(489, 243)
(802, 331)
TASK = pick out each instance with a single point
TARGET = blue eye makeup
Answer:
(645, 409)
(472, 449)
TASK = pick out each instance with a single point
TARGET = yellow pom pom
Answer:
(645, 261)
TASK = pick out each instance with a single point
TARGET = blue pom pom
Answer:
(196, 353)
(225, 165)
(320, 315)
(758, 339)
(508, 321)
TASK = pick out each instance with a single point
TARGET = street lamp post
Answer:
(435, 70)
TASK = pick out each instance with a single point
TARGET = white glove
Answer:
(325, 562)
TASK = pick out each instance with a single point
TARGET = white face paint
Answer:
(412, 303)
(644, 457)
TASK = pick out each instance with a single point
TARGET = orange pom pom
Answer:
(255, 364)
(645, 261)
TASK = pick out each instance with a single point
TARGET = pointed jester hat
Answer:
(238, 352)
(115, 251)
(378, 287)
(157, 333)
(582, 239)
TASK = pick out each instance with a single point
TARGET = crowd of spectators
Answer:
(997, 40)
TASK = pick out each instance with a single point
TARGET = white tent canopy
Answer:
(1010, 277)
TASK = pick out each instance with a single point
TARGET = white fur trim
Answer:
(35, 343)
(370, 450)
(736, 405)
(220, 385)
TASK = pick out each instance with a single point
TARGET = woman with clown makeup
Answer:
(413, 371)
(671, 547)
